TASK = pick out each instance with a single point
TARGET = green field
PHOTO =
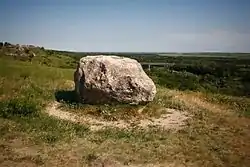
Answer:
(213, 91)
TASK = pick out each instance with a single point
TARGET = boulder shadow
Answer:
(70, 97)
(66, 96)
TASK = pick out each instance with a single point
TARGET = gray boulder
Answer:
(108, 79)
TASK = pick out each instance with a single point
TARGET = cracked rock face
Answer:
(107, 79)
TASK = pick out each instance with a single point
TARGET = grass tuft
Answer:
(21, 107)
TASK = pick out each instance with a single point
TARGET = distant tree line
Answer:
(220, 75)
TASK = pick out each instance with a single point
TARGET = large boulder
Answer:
(108, 79)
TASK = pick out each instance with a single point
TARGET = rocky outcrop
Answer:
(7, 44)
(108, 79)
(16, 50)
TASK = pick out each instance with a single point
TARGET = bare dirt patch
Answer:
(173, 119)
(110, 163)
(19, 152)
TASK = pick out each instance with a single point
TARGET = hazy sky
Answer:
(128, 25)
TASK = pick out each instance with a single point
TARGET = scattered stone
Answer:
(32, 54)
(16, 50)
(108, 79)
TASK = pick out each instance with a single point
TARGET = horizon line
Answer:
(155, 52)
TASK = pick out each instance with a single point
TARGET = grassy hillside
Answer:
(216, 132)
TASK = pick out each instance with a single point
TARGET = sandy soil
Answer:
(174, 119)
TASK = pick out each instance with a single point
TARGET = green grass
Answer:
(209, 139)
(18, 107)
(25, 90)
(24, 78)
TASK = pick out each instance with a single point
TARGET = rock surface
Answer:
(107, 79)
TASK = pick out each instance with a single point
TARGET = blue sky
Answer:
(128, 25)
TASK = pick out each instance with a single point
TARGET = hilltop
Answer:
(200, 116)
(216, 73)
